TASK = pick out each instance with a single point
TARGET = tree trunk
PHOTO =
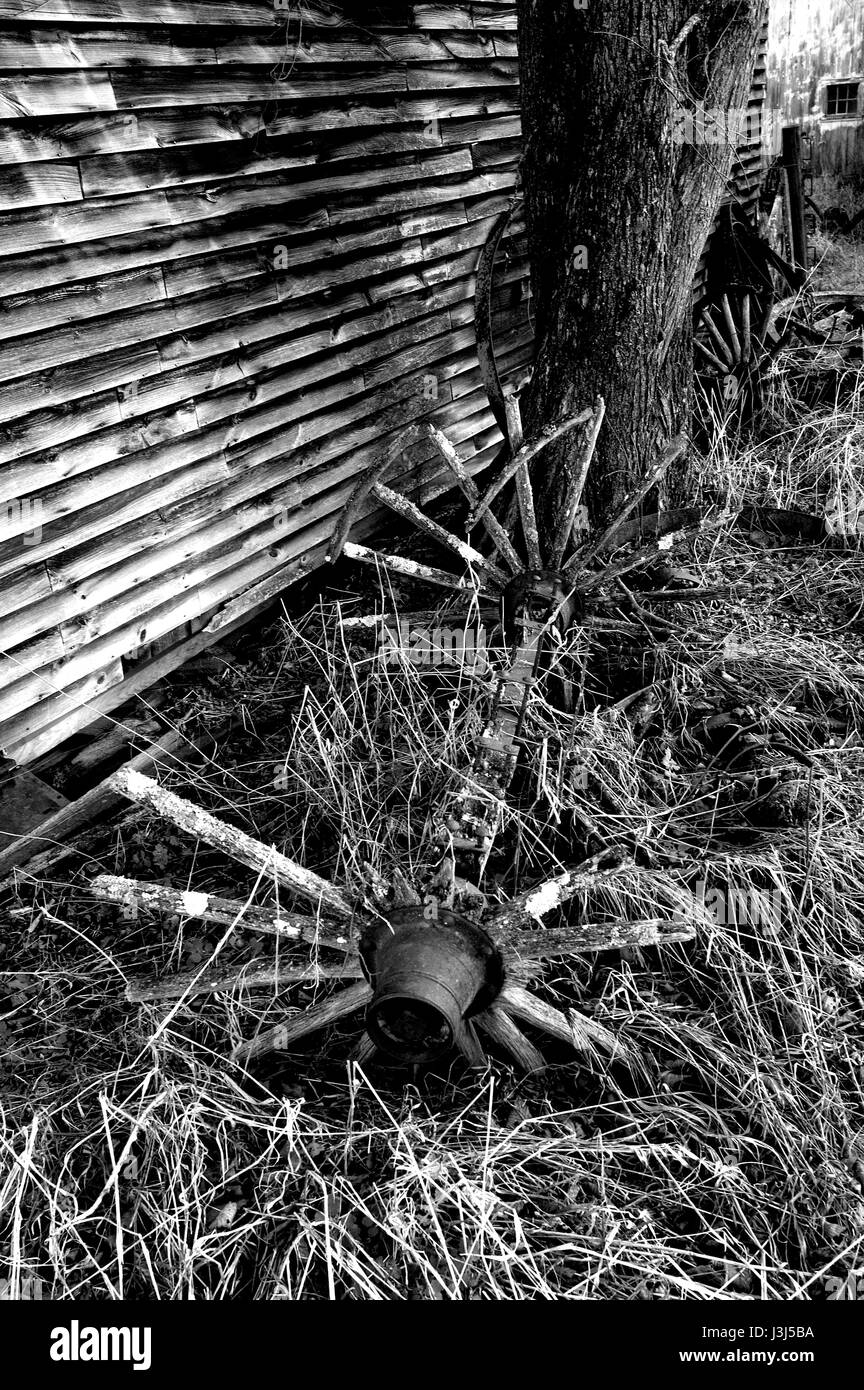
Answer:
(618, 208)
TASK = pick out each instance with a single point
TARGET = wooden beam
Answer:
(49, 842)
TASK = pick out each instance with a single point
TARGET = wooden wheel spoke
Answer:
(529, 449)
(277, 1039)
(268, 862)
(373, 483)
(528, 517)
(674, 449)
(734, 340)
(524, 491)
(737, 353)
(764, 323)
(502, 542)
(492, 526)
(584, 1034)
(470, 1046)
(552, 942)
(225, 912)
(454, 463)
(745, 328)
(412, 569)
(498, 1025)
(644, 554)
(353, 507)
(711, 358)
(722, 347)
(269, 977)
(364, 1050)
(577, 486)
(409, 511)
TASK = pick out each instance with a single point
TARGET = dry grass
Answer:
(721, 747)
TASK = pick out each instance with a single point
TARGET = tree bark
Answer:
(604, 91)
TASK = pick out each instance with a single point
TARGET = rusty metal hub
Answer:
(532, 595)
(429, 977)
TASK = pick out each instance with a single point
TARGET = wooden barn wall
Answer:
(809, 47)
(750, 157)
(236, 253)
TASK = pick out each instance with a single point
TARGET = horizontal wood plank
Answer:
(52, 94)
(236, 254)
(260, 14)
(21, 186)
(96, 218)
(164, 128)
(259, 537)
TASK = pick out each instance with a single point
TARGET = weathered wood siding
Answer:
(236, 250)
(750, 156)
(810, 47)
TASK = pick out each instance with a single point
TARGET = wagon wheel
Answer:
(484, 572)
(729, 341)
(472, 570)
(426, 977)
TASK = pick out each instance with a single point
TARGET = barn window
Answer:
(841, 99)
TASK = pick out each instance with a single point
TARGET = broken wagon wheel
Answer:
(729, 342)
(427, 979)
(430, 979)
(486, 574)
(425, 987)
(433, 979)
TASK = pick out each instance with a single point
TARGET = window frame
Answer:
(851, 91)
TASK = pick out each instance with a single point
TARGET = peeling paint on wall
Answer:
(816, 47)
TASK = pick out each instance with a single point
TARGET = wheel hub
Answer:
(429, 977)
(532, 595)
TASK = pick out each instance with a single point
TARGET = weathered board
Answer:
(237, 245)
(237, 251)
